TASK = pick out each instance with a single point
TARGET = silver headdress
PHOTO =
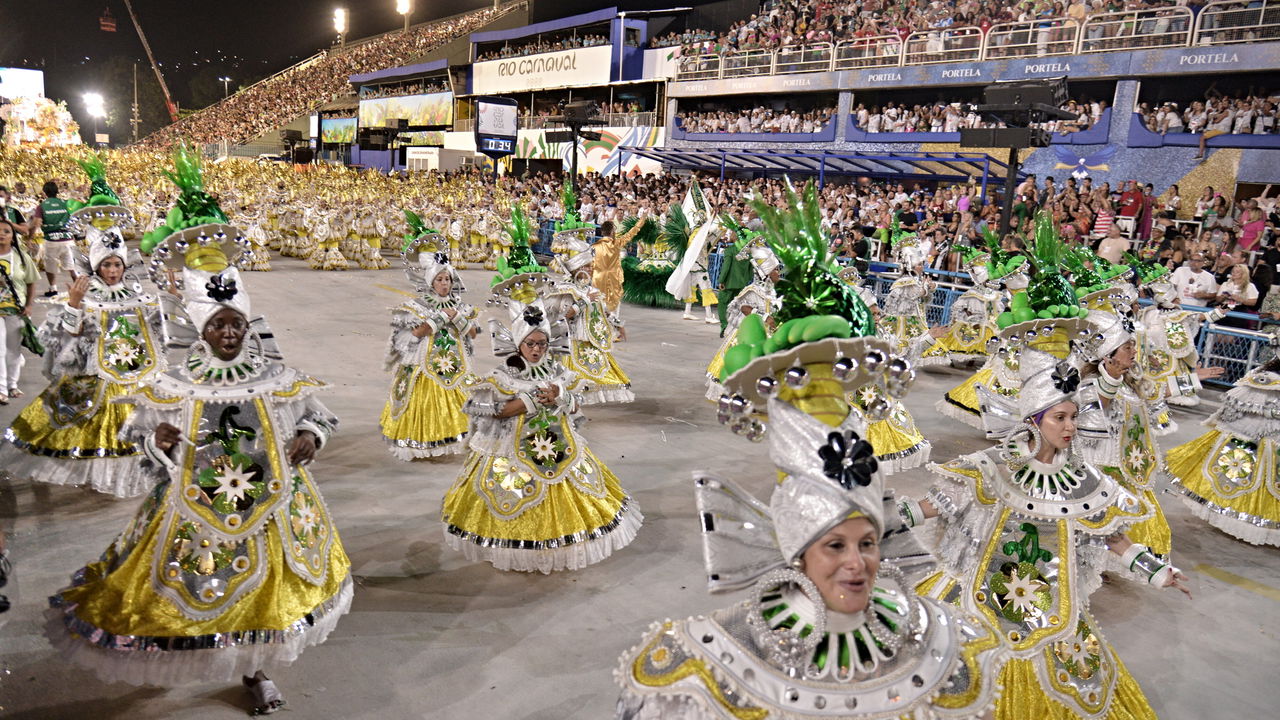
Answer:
(830, 477)
(1045, 382)
(425, 257)
(572, 250)
(1109, 332)
(523, 319)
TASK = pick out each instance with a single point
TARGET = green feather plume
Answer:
(520, 259)
(809, 285)
(676, 231)
(569, 200)
(100, 193)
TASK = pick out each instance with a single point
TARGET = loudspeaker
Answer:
(291, 135)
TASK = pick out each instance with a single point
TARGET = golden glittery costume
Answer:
(606, 272)
(1228, 475)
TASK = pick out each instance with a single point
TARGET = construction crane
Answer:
(168, 98)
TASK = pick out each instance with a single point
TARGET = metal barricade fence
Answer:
(1054, 36)
(1224, 22)
(957, 44)
(1161, 27)
(803, 58)
(878, 51)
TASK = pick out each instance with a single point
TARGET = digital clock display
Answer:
(502, 145)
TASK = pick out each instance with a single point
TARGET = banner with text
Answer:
(567, 68)
(419, 110)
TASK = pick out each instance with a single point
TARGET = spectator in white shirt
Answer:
(1195, 285)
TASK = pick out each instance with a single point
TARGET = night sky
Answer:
(243, 39)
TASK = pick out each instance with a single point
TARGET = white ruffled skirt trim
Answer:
(410, 454)
(946, 409)
(608, 395)
(913, 457)
(1240, 529)
(548, 560)
(167, 668)
(122, 477)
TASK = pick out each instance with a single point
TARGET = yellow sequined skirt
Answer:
(1022, 697)
(426, 421)
(498, 511)
(607, 381)
(75, 419)
(1230, 482)
(717, 362)
(963, 342)
(1154, 532)
(961, 402)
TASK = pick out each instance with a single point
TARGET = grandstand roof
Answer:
(572, 21)
(956, 167)
(394, 73)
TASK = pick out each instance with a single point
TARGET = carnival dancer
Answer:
(232, 564)
(1044, 314)
(758, 297)
(1227, 476)
(1027, 523)
(256, 223)
(833, 628)
(973, 317)
(1168, 353)
(693, 228)
(606, 265)
(592, 327)
(100, 345)
(532, 496)
(1130, 452)
(18, 276)
(902, 310)
(429, 353)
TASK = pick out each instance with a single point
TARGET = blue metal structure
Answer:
(894, 165)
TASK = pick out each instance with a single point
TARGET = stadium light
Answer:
(340, 24)
(95, 105)
(225, 84)
(405, 8)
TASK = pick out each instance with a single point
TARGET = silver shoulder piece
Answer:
(738, 543)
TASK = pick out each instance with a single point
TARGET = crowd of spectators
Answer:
(808, 22)
(277, 100)
(757, 120)
(543, 46)
(1217, 114)
(419, 87)
(688, 37)
(952, 117)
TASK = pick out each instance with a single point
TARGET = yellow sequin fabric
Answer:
(965, 395)
(1228, 476)
(1022, 698)
(75, 418)
(428, 416)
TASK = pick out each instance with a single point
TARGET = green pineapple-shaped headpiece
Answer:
(195, 207)
(1050, 294)
(815, 303)
(104, 208)
(520, 258)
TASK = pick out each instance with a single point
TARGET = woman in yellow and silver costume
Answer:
(531, 495)
(1227, 476)
(831, 630)
(1168, 353)
(591, 326)
(758, 297)
(961, 402)
(1129, 452)
(970, 335)
(232, 563)
(101, 342)
(1028, 524)
(902, 309)
(429, 354)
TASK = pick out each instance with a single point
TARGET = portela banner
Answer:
(567, 68)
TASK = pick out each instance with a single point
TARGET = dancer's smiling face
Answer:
(843, 564)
